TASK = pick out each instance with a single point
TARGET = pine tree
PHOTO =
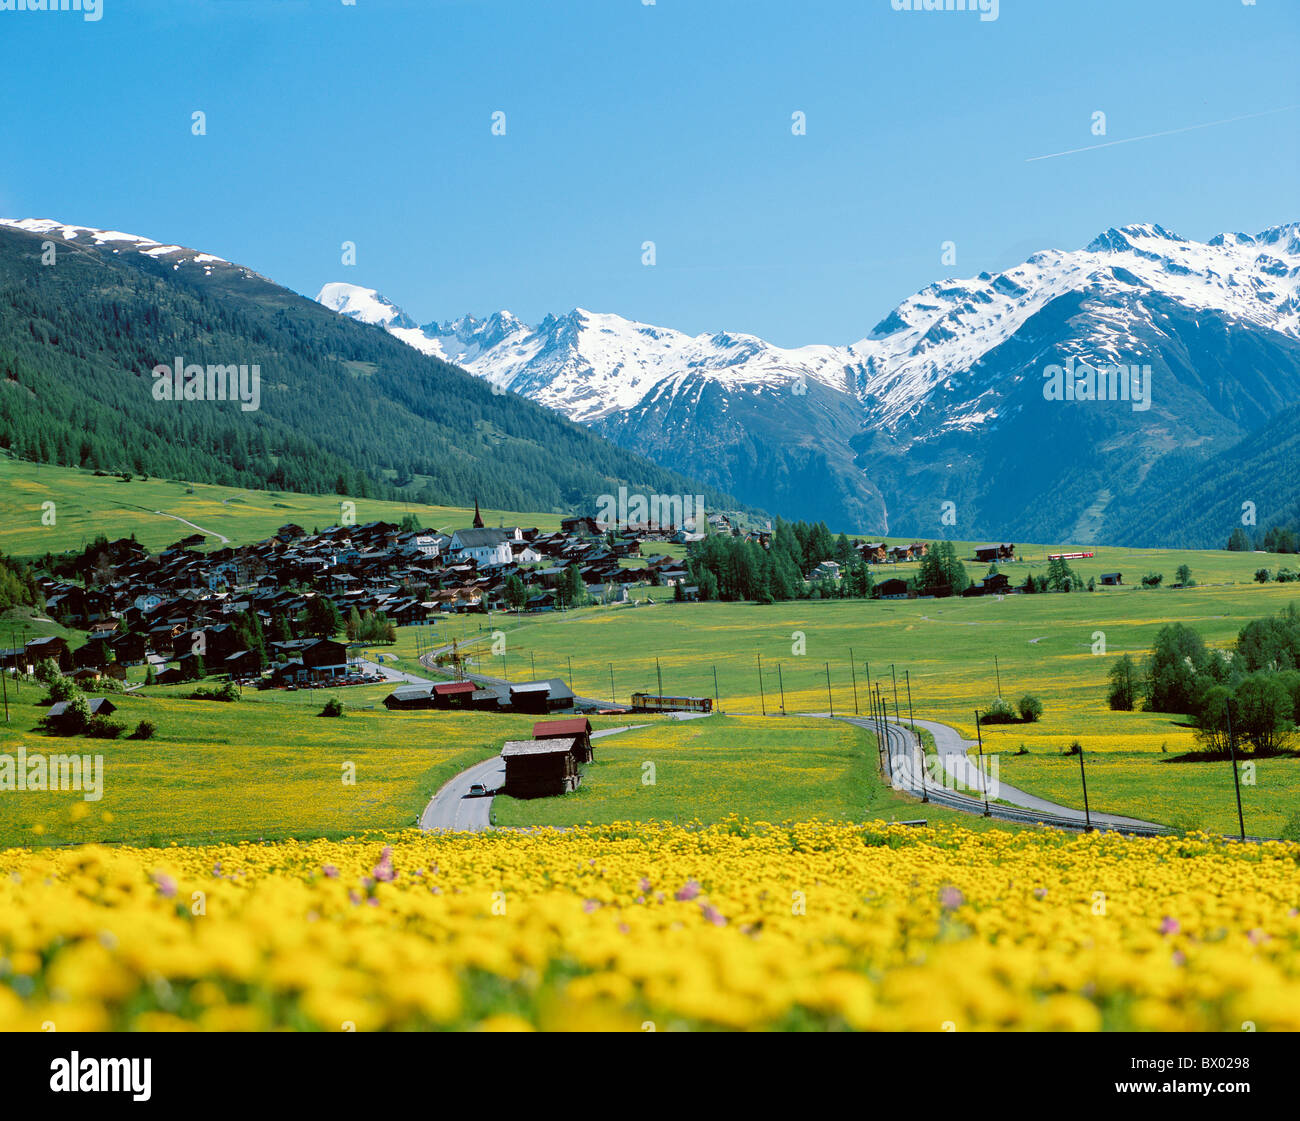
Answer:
(1239, 542)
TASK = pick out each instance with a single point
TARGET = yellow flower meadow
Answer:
(633, 927)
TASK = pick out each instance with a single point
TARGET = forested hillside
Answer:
(344, 407)
(1191, 501)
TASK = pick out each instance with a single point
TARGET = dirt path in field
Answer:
(184, 521)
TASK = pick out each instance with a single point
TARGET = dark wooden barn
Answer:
(409, 697)
(540, 768)
(454, 694)
(540, 697)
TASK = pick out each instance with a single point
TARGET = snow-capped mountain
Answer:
(943, 398)
(589, 365)
(174, 255)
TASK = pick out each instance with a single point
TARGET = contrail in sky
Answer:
(1167, 132)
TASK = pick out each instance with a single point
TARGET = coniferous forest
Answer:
(344, 407)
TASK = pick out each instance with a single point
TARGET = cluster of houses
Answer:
(877, 552)
(176, 606)
(184, 644)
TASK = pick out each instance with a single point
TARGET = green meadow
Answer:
(946, 650)
(265, 767)
(707, 769)
(87, 505)
(268, 765)
(1186, 794)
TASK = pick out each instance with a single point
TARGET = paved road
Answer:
(184, 521)
(388, 673)
(453, 808)
(952, 749)
(907, 772)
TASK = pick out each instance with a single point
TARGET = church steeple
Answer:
(478, 518)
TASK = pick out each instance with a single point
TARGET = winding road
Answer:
(907, 773)
(453, 808)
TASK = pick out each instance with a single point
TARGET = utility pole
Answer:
(920, 748)
(659, 675)
(997, 670)
(612, 698)
(532, 654)
(907, 679)
(570, 660)
(894, 674)
(1232, 750)
(983, 785)
(829, 696)
(780, 680)
(875, 724)
(762, 700)
(717, 701)
(5, 686)
(853, 672)
(884, 732)
(1083, 778)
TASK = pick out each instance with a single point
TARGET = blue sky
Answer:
(628, 122)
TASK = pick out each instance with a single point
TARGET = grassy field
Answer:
(268, 767)
(19, 625)
(1185, 794)
(706, 770)
(264, 767)
(1044, 644)
(86, 505)
(1209, 566)
(1056, 646)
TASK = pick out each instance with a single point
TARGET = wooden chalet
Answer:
(997, 584)
(57, 715)
(874, 552)
(242, 663)
(52, 647)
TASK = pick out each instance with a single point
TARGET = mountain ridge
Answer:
(957, 363)
(87, 314)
